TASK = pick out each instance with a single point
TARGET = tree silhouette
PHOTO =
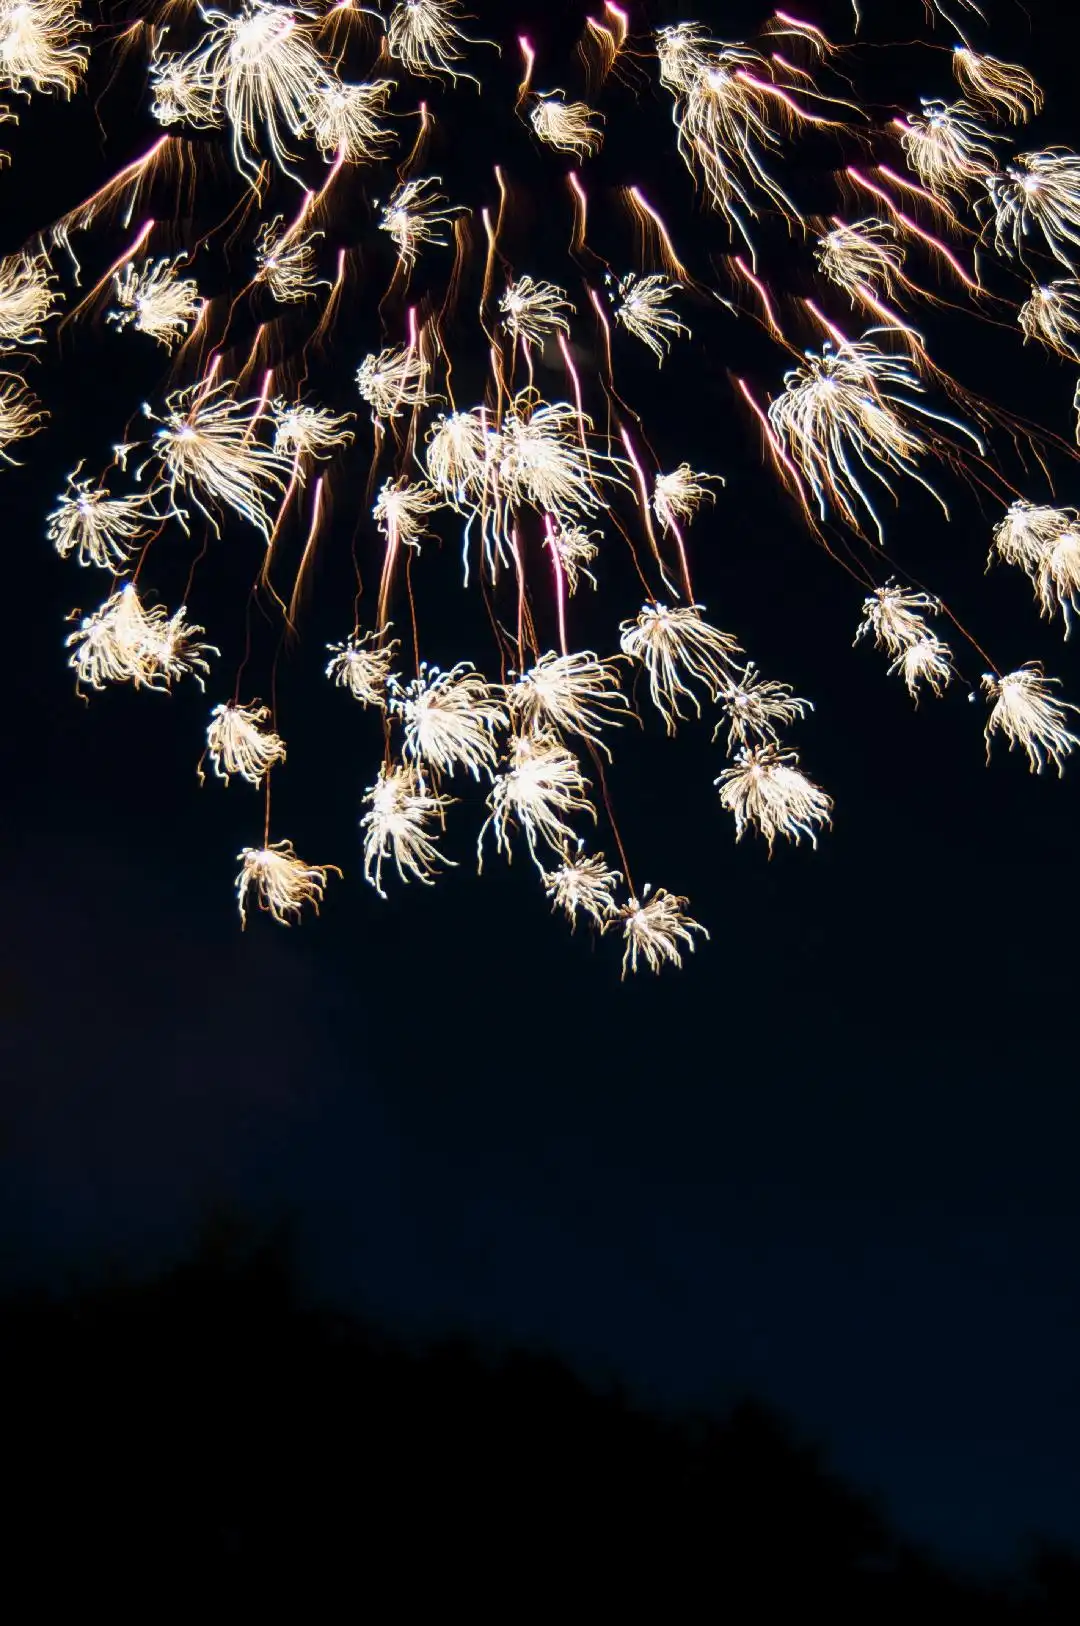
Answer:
(208, 1427)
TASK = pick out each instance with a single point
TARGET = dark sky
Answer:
(832, 1161)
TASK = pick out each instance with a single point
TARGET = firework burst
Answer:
(289, 244)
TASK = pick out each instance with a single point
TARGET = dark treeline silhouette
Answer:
(208, 1426)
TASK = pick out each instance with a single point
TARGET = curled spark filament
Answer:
(173, 650)
(864, 254)
(280, 882)
(285, 262)
(680, 494)
(947, 147)
(574, 693)
(540, 787)
(582, 885)
(566, 126)
(1005, 89)
(28, 297)
(755, 708)
(656, 930)
(725, 99)
(21, 414)
(927, 661)
(681, 50)
(535, 311)
(538, 459)
(416, 215)
(306, 432)
(1045, 543)
(1037, 191)
(182, 92)
(393, 379)
(401, 512)
(765, 789)
(643, 309)
(845, 408)
(1051, 315)
(343, 121)
(1026, 533)
(678, 647)
(894, 617)
(576, 550)
(423, 35)
(205, 446)
(42, 47)
(362, 665)
(541, 461)
(96, 528)
(108, 645)
(397, 826)
(239, 744)
(460, 449)
(1057, 581)
(155, 300)
(126, 642)
(1026, 713)
(451, 719)
(262, 67)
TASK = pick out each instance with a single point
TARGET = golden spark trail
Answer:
(936, 204)
(580, 208)
(102, 282)
(575, 384)
(763, 294)
(560, 582)
(643, 212)
(419, 146)
(646, 515)
(790, 475)
(908, 224)
(529, 57)
(331, 304)
(307, 555)
(82, 217)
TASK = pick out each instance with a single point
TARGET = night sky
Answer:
(832, 1161)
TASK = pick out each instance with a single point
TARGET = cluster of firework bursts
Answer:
(317, 103)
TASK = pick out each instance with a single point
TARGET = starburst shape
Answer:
(397, 826)
(656, 930)
(1026, 713)
(765, 788)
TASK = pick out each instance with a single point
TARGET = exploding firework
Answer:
(343, 306)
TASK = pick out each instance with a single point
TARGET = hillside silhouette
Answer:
(209, 1427)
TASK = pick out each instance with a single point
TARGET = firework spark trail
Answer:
(277, 97)
(907, 224)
